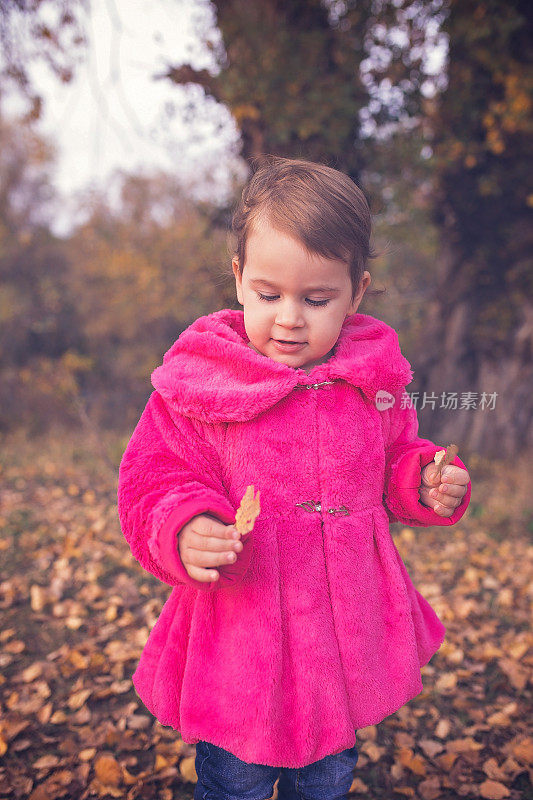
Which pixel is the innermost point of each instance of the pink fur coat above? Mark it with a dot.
(316, 630)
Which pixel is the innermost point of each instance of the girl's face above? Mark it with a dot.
(290, 295)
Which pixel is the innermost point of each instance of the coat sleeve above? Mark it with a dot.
(406, 454)
(168, 474)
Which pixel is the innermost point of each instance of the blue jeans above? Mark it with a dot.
(223, 776)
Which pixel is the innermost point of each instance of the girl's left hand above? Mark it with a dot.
(445, 495)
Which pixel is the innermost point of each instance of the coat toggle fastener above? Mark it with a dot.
(313, 385)
(310, 505)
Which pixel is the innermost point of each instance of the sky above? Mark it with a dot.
(116, 115)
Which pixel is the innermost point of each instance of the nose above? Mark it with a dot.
(289, 315)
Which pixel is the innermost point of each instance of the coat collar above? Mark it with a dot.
(210, 373)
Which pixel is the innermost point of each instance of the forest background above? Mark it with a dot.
(86, 316)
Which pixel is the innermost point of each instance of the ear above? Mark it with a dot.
(238, 279)
(366, 280)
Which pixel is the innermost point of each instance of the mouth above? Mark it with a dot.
(288, 345)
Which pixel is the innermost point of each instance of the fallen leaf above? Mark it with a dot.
(493, 790)
(523, 751)
(187, 769)
(372, 750)
(358, 787)
(447, 760)
(492, 770)
(58, 718)
(78, 699)
(465, 745)
(517, 674)
(443, 728)
(37, 598)
(46, 762)
(430, 789)
(32, 672)
(108, 770)
(408, 791)
(499, 718)
(408, 759)
(447, 682)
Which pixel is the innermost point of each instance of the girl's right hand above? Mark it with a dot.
(206, 542)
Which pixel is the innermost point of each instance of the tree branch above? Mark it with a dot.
(185, 74)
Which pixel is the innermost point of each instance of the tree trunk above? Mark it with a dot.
(478, 336)
(495, 379)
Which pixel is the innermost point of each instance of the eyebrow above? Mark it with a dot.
(260, 281)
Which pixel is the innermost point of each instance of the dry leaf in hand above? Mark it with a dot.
(445, 457)
(248, 511)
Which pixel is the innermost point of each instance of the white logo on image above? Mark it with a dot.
(384, 400)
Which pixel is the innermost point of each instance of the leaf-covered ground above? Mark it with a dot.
(76, 610)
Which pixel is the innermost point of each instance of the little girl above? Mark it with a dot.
(274, 647)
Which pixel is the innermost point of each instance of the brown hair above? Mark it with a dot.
(318, 205)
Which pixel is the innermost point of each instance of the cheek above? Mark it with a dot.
(322, 326)
(261, 312)
(258, 320)
(326, 331)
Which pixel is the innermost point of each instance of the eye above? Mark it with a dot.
(269, 298)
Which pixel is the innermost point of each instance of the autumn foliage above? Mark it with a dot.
(77, 609)
(85, 318)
